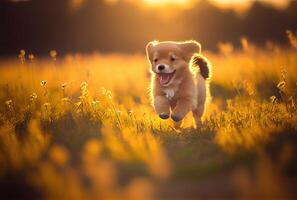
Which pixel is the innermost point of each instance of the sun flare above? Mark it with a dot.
(237, 5)
(167, 2)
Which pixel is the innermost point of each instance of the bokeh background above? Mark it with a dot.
(125, 26)
(76, 120)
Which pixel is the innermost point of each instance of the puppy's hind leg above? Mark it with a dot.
(203, 92)
(197, 114)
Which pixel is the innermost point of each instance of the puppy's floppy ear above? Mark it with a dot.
(149, 52)
(190, 48)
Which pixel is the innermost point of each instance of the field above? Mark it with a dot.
(82, 127)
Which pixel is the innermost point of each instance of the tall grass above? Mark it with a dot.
(82, 127)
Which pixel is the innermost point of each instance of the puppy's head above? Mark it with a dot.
(169, 59)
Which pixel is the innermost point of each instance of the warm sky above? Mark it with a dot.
(245, 4)
(238, 5)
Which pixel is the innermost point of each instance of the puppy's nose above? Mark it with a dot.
(161, 67)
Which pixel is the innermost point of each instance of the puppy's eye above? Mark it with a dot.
(172, 59)
(156, 60)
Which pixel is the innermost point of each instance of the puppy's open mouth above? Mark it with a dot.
(165, 78)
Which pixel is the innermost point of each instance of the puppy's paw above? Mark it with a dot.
(164, 116)
(176, 118)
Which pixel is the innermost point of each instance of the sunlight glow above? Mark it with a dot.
(168, 2)
(242, 5)
(237, 5)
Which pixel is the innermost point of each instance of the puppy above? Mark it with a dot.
(180, 77)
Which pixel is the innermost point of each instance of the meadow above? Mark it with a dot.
(82, 127)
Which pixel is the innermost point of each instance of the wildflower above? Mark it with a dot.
(84, 85)
(22, 52)
(31, 56)
(47, 106)
(95, 103)
(53, 54)
(283, 71)
(130, 112)
(84, 89)
(229, 102)
(65, 100)
(244, 44)
(43, 83)
(22, 56)
(281, 84)
(273, 99)
(106, 92)
(9, 103)
(33, 96)
(63, 86)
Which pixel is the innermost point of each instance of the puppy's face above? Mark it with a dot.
(169, 59)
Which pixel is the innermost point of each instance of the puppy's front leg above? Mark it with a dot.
(183, 106)
(162, 107)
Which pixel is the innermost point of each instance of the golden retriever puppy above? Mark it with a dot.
(179, 79)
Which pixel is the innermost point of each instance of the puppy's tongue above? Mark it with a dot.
(164, 78)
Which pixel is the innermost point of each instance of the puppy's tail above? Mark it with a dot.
(204, 65)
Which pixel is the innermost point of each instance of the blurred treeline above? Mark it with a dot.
(41, 25)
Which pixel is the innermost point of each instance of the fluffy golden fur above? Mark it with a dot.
(177, 87)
